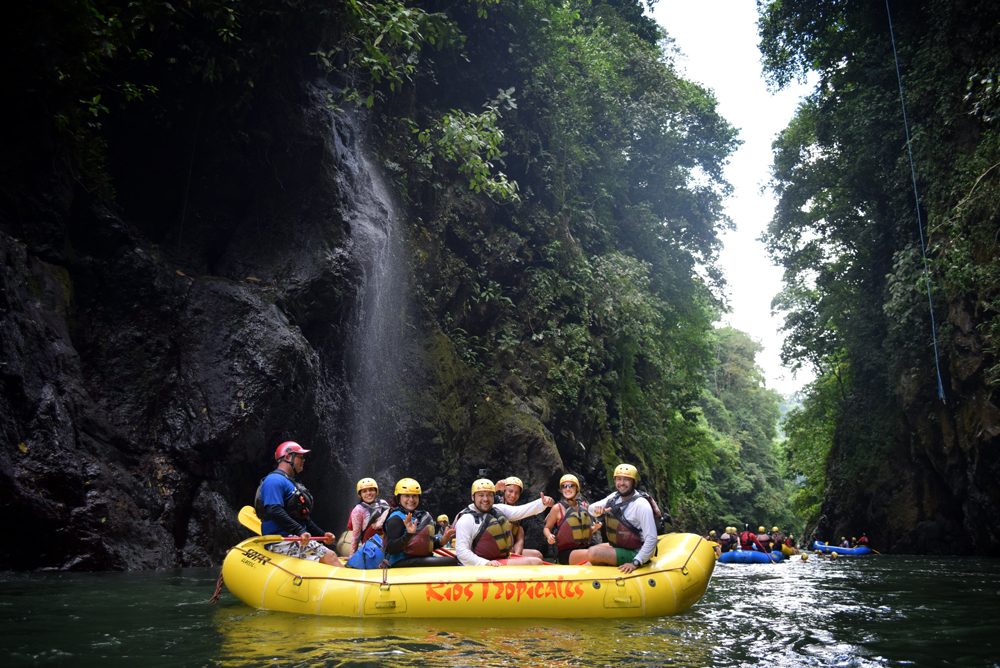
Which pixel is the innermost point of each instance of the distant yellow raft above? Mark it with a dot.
(674, 580)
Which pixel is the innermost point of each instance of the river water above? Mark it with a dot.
(865, 611)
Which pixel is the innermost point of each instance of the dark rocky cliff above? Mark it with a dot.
(155, 353)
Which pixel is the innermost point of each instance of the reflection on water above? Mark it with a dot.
(869, 611)
(267, 639)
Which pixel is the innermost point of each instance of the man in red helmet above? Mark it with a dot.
(284, 506)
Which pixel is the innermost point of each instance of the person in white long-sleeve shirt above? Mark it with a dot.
(483, 534)
(630, 523)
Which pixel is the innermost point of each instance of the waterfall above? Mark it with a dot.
(374, 359)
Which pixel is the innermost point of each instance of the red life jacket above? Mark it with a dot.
(494, 538)
(862, 542)
(746, 540)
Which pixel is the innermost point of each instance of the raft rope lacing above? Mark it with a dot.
(219, 583)
(920, 223)
(298, 579)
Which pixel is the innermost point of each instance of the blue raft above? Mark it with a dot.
(750, 557)
(855, 551)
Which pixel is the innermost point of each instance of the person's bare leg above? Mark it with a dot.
(577, 557)
(602, 555)
(533, 553)
(331, 559)
(525, 561)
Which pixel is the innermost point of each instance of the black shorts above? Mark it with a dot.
(415, 562)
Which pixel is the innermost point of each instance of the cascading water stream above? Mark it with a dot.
(375, 355)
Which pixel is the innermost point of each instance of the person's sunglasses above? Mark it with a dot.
(568, 485)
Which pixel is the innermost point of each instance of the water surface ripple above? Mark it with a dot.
(875, 611)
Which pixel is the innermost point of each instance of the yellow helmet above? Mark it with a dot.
(843, 538)
(407, 486)
(712, 532)
(731, 529)
(627, 471)
(569, 477)
(483, 485)
(791, 535)
(367, 483)
(514, 480)
(818, 551)
(443, 518)
(761, 529)
(805, 557)
(833, 556)
(774, 529)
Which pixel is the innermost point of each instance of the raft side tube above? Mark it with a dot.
(675, 579)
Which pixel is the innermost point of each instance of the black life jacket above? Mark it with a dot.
(726, 542)
(494, 538)
(298, 506)
(375, 511)
(574, 529)
(621, 532)
(422, 542)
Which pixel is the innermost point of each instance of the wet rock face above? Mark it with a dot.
(142, 392)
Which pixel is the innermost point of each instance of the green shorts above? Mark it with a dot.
(624, 556)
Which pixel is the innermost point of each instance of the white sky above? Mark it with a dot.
(718, 44)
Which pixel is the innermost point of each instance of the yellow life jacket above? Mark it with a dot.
(574, 529)
(621, 532)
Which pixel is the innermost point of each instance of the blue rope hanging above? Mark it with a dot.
(920, 223)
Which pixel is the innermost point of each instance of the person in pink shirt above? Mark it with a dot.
(366, 517)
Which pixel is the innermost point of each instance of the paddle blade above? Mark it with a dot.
(249, 519)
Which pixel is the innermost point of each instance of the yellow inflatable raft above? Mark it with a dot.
(674, 580)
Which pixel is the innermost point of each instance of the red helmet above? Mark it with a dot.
(288, 447)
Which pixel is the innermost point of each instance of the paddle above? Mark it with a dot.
(248, 518)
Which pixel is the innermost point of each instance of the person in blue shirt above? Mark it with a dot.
(285, 506)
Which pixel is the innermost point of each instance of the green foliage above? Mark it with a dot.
(745, 481)
(810, 429)
(382, 42)
(617, 162)
(472, 142)
(846, 227)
